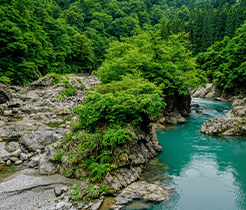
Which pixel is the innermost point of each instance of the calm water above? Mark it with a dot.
(208, 173)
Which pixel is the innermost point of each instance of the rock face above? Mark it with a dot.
(41, 138)
(178, 107)
(202, 91)
(212, 91)
(5, 94)
(231, 124)
(143, 147)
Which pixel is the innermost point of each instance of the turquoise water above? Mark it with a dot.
(208, 173)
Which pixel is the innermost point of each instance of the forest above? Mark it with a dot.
(172, 42)
(141, 51)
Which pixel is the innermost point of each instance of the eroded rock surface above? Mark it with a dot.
(231, 124)
(26, 190)
(178, 107)
(141, 190)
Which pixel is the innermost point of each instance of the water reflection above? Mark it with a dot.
(208, 172)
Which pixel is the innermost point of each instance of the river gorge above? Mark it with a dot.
(207, 172)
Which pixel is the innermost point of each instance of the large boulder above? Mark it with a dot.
(5, 94)
(41, 138)
(156, 192)
(202, 91)
(45, 81)
(231, 124)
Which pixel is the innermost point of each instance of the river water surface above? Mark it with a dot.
(208, 173)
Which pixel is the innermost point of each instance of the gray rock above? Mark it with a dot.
(8, 163)
(16, 153)
(155, 192)
(68, 205)
(44, 81)
(202, 91)
(34, 162)
(5, 94)
(57, 190)
(60, 205)
(97, 204)
(26, 191)
(45, 166)
(116, 207)
(15, 103)
(40, 138)
(7, 112)
(14, 159)
(12, 146)
(18, 162)
(231, 124)
(23, 156)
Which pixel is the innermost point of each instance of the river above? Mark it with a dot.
(208, 172)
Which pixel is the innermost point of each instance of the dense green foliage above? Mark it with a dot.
(166, 63)
(225, 61)
(38, 37)
(34, 41)
(102, 124)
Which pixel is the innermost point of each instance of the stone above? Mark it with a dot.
(156, 192)
(45, 81)
(23, 156)
(14, 159)
(4, 154)
(8, 163)
(231, 124)
(116, 207)
(34, 162)
(5, 94)
(60, 205)
(68, 206)
(12, 146)
(15, 103)
(41, 138)
(26, 190)
(7, 112)
(18, 162)
(195, 105)
(16, 153)
(45, 166)
(57, 190)
(97, 203)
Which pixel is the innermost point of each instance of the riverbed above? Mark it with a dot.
(207, 172)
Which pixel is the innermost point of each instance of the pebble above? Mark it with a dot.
(8, 163)
(18, 162)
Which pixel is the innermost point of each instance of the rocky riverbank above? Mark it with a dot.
(231, 124)
(33, 121)
(212, 91)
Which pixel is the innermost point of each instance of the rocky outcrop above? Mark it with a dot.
(201, 92)
(41, 138)
(33, 123)
(178, 107)
(143, 147)
(212, 91)
(231, 124)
